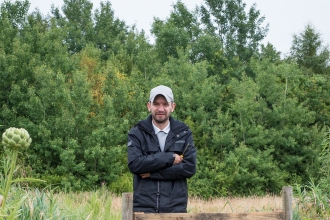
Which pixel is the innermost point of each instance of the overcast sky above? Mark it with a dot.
(285, 17)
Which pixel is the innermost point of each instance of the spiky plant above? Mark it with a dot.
(14, 140)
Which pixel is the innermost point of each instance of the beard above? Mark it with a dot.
(160, 119)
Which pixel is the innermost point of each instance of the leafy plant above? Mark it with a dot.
(325, 162)
(40, 205)
(15, 140)
(313, 200)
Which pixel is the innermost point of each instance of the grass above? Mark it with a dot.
(234, 205)
(99, 205)
(102, 204)
(195, 205)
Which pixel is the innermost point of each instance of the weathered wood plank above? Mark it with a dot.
(210, 216)
(127, 206)
(287, 198)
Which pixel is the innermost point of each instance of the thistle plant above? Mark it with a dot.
(14, 140)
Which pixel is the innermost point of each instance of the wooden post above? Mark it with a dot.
(287, 202)
(127, 206)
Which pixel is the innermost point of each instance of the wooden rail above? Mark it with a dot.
(286, 214)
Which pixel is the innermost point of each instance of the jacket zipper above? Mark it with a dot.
(158, 194)
(158, 182)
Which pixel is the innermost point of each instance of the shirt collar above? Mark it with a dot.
(165, 130)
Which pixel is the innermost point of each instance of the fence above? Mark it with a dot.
(286, 213)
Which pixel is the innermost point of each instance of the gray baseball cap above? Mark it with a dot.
(162, 90)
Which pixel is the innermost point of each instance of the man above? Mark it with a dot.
(161, 155)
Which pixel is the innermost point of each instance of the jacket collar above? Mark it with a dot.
(176, 126)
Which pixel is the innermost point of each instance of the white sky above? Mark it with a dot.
(285, 17)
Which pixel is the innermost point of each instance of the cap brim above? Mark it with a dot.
(168, 99)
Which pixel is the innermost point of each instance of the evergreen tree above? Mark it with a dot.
(308, 51)
(313, 58)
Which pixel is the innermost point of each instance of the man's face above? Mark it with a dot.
(161, 109)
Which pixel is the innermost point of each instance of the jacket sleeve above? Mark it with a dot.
(139, 162)
(185, 169)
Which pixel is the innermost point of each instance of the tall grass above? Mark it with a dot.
(313, 200)
(42, 205)
(102, 204)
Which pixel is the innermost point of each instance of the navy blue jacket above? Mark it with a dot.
(166, 190)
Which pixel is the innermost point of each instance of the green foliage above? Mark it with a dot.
(109, 31)
(243, 171)
(312, 201)
(123, 183)
(238, 28)
(257, 173)
(313, 58)
(78, 23)
(313, 198)
(324, 157)
(180, 30)
(269, 52)
(308, 51)
(290, 123)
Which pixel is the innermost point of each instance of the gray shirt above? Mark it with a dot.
(161, 134)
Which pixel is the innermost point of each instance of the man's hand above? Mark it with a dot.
(177, 159)
(145, 175)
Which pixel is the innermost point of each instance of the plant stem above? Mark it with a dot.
(10, 176)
